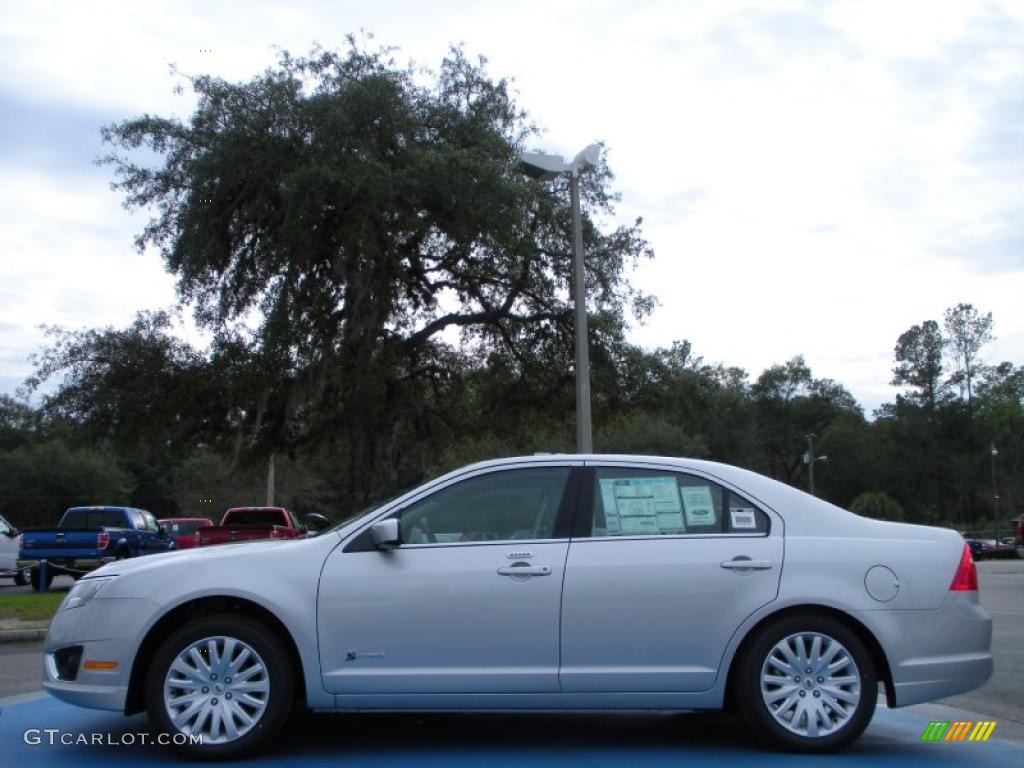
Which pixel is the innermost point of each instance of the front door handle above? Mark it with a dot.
(746, 564)
(524, 570)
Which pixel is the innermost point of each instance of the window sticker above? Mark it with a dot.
(743, 517)
(641, 505)
(699, 506)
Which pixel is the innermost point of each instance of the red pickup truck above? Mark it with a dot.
(250, 524)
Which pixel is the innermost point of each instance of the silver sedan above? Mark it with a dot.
(544, 582)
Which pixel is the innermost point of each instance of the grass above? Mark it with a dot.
(35, 606)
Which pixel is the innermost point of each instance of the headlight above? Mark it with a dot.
(84, 591)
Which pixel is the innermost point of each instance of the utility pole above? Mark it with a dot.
(540, 165)
(270, 481)
(584, 437)
(809, 460)
(995, 496)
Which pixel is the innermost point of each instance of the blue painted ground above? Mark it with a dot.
(494, 741)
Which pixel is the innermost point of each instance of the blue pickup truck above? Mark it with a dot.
(90, 533)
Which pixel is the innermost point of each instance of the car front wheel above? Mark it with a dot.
(23, 576)
(807, 684)
(221, 686)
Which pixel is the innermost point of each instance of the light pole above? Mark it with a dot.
(809, 460)
(270, 481)
(995, 496)
(539, 165)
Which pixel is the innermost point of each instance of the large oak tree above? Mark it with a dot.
(359, 210)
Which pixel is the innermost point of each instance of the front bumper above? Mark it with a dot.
(108, 630)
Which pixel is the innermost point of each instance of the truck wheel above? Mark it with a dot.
(22, 577)
(35, 577)
(224, 678)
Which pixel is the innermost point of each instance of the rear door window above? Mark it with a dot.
(641, 502)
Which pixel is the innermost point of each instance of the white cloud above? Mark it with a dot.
(816, 177)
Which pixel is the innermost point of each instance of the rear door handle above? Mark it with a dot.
(746, 564)
(524, 570)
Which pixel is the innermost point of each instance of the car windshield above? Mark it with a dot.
(367, 510)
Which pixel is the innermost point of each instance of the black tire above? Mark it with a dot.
(35, 579)
(838, 732)
(279, 672)
(23, 577)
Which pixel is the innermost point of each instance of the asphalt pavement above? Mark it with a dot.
(21, 667)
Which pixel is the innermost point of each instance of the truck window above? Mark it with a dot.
(111, 518)
(93, 518)
(255, 517)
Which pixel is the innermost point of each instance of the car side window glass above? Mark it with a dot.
(744, 516)
(639, 502)
(498, 506)
(140, 521)
(151, 523)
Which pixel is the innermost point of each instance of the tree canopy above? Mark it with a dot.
(359, 211)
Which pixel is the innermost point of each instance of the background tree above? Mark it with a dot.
(879, 505)
(967, 332)
(362, 213)
(789, 403)
(19, 423)
(919, 365)
(38, 482)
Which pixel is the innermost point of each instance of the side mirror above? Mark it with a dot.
(161, 531)
(315, 522)
(385, 533)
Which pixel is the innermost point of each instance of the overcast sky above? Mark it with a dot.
(814, 177)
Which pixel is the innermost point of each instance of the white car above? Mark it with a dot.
(538, 583)
(9, 554)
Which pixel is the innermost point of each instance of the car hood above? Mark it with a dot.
(241, 554)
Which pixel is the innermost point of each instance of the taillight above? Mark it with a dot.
(102, 540)
(966, 577)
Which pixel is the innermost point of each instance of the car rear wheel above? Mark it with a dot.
(224, 681)
(807, 684)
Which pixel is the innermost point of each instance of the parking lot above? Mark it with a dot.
(549, 740)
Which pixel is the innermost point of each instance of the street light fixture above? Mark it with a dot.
(809, 460)
(545, 167)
